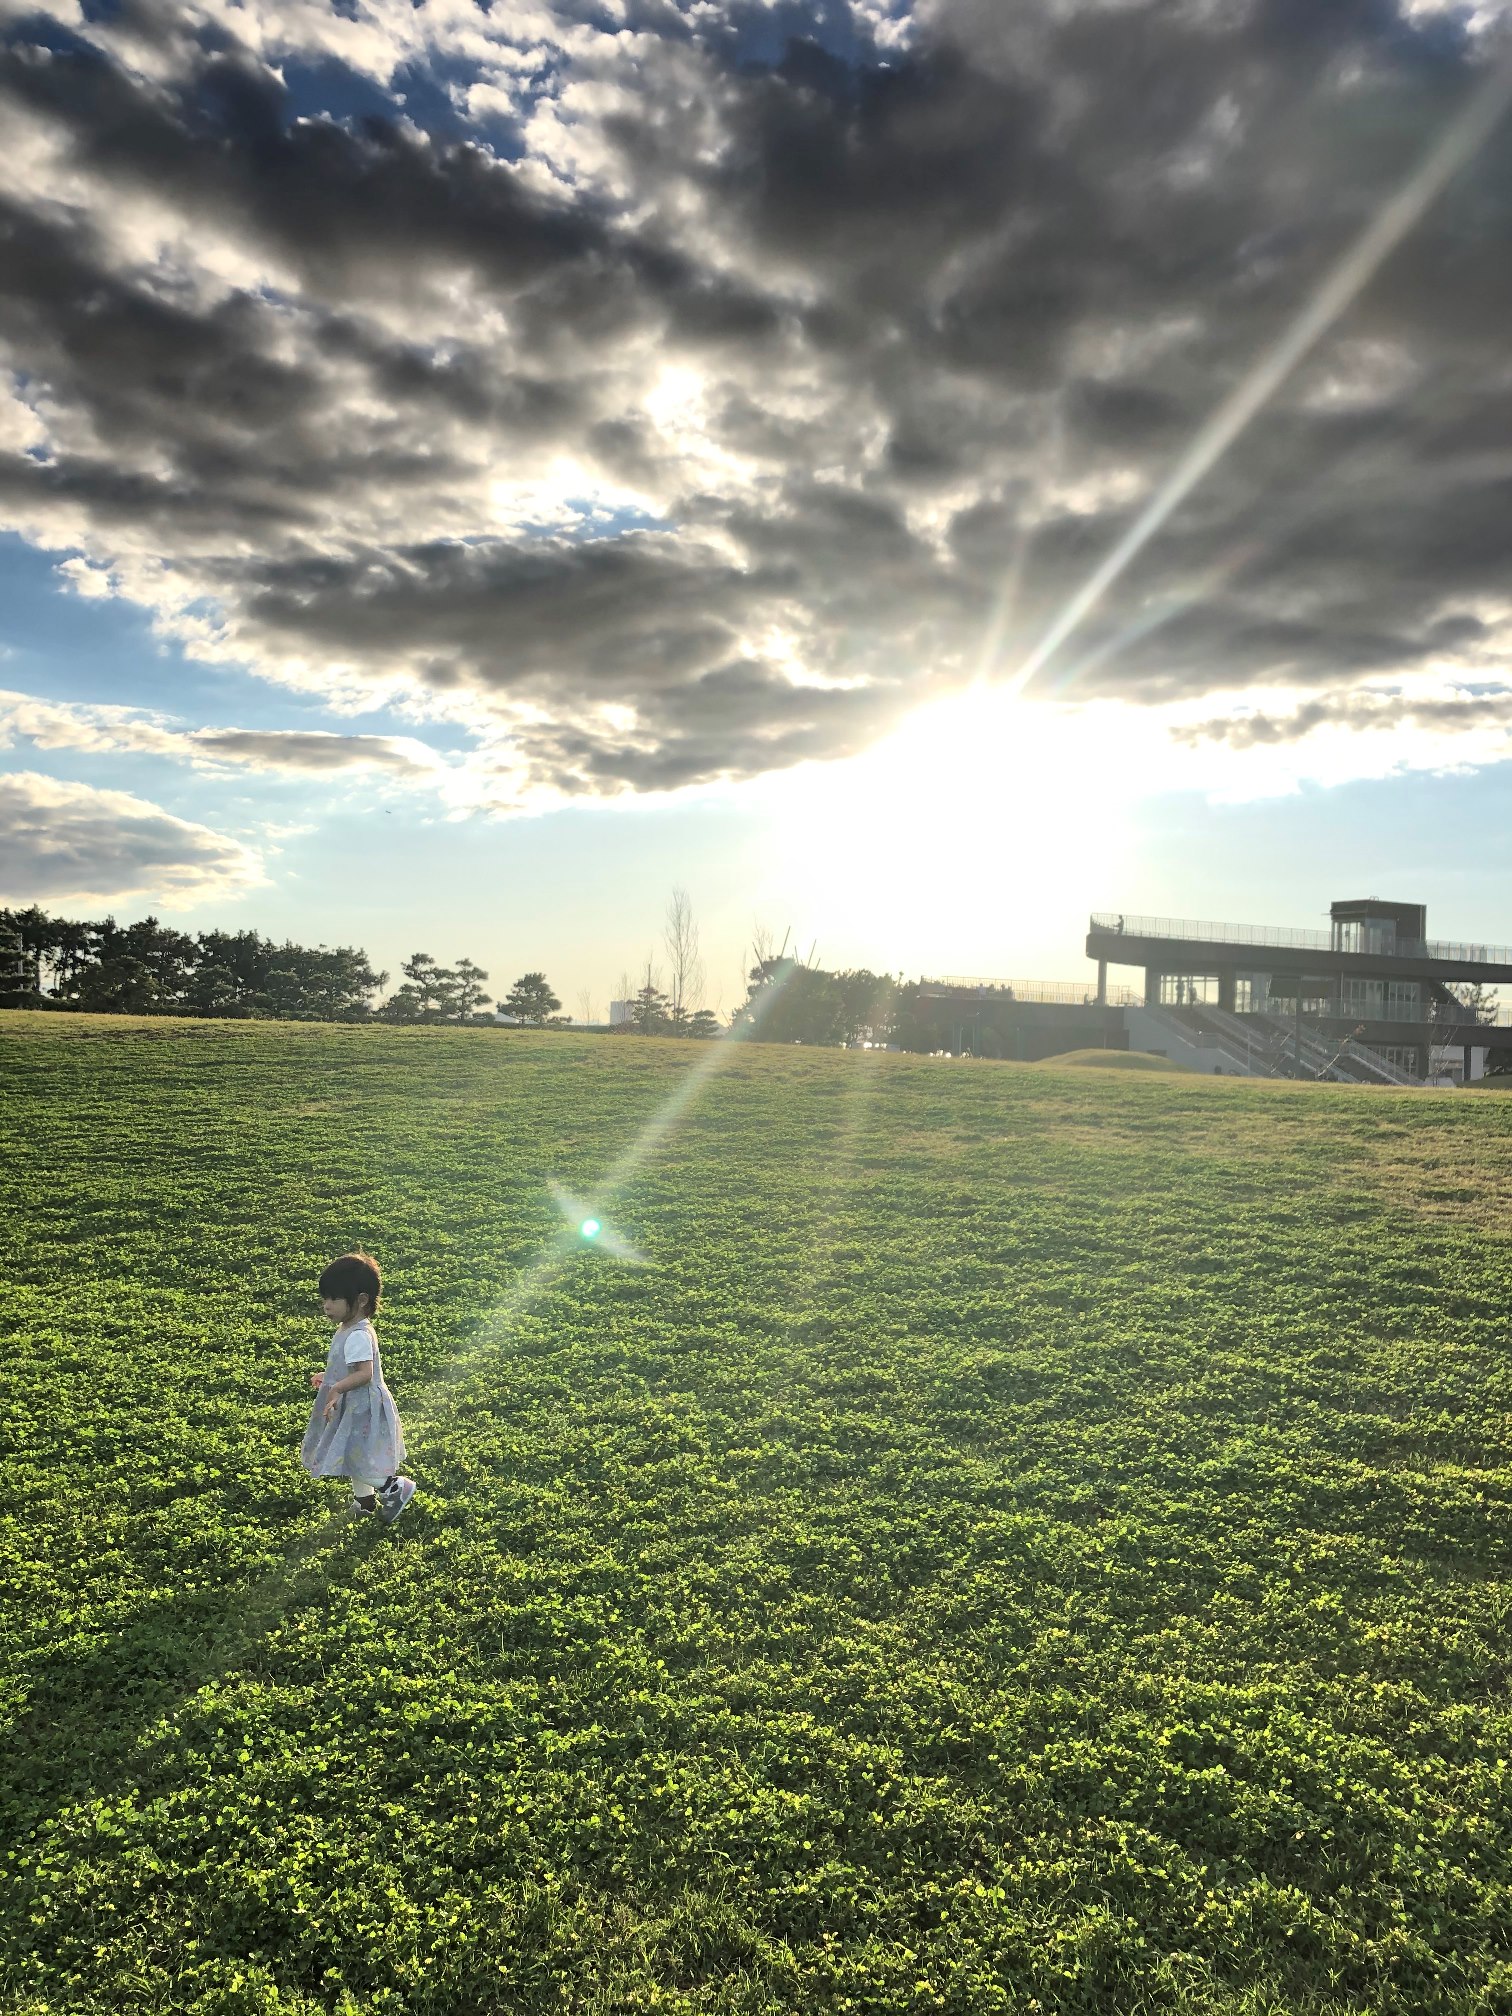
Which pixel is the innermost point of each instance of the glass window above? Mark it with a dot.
(1188, 990)
(1365, 934)
(1403, 1055)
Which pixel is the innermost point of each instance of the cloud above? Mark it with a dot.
(1446, 714)
(313, 751)
(50, 724)
(73, 843)
(663, 395)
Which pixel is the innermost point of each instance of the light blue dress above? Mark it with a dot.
(365, 1439)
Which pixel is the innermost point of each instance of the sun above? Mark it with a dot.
(980, 824)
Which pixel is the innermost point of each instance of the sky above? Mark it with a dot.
(909, 472)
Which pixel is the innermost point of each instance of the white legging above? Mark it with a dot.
(367, 1487)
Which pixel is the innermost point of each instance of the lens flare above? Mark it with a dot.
(260, 1606)
(578, 1215)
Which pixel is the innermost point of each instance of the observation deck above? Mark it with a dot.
(1375, 975)
(1363, 945)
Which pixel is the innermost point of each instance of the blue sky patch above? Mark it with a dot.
(58, 645)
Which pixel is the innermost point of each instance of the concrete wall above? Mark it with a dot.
(1156, 1036)
(1027, 1030)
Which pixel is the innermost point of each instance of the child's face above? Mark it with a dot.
(337, 1309)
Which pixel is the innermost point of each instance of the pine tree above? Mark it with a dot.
(530, 999)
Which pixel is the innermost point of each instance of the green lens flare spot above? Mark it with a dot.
(590, 1228)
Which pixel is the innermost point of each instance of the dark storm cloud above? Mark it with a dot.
(368, 209)
(461, 382)
(954, 303)
(347, 206)
(613, 619)
(148, 365)
(739, 720)
(255, 437)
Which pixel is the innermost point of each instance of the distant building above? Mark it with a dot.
(1373, 995)
(1372, 1000)
(619, 1013)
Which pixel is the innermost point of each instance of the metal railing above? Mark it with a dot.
(1423, 1025)
(1285, 937)
(1374, 1061)
(1321, 1047)
(1066, 993)
(1425, 1028)
(1492, 1018)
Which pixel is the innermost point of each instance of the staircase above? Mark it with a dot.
(1261, 1046)
(1380, 1067)
(1186, 1036)
(1348, 1063)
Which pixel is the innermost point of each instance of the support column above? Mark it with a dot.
(1422, 1060)
(1469, 1061)
(1153, 977)
(1102, 983)
(1228, 981)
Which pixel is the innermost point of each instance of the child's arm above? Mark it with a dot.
(361, 1375)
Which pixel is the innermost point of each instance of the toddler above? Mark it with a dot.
(354, 1429)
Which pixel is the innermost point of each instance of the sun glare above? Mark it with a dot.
(968, 828)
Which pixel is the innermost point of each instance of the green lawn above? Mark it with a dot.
(1033, 1541)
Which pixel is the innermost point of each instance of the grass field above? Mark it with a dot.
(1034, 1541)
(1112, 1060)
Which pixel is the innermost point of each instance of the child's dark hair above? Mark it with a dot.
(352, 1275)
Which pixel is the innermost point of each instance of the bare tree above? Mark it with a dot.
(757, 961)
(585, 1005)
(685, 966)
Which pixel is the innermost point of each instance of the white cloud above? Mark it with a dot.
(72, 843)
(21, 426)
(1271, 742)
(94, 584)
(52, 724)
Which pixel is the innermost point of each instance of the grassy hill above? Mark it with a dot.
(1110, 1060)
(1033, 1540)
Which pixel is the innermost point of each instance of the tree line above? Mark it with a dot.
(435, 993)
(149, 968)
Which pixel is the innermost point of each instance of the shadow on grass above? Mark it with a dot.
(88, 1712)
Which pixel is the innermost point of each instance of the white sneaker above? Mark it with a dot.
(393, 1498)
